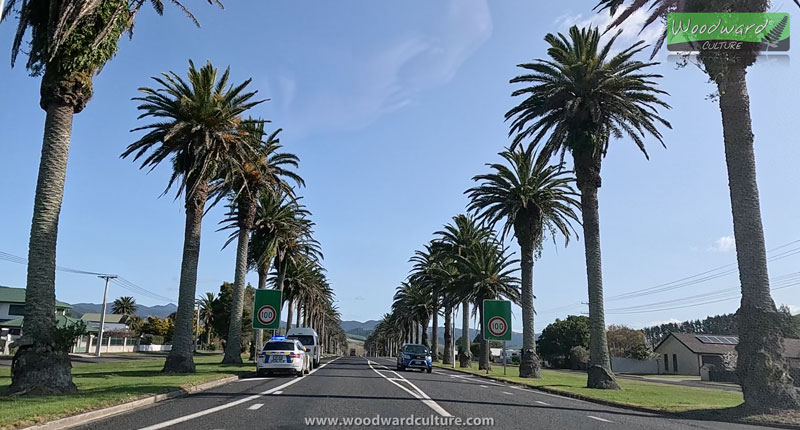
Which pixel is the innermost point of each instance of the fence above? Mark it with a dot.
(153, 348)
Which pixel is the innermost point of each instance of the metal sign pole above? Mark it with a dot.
(504, 358)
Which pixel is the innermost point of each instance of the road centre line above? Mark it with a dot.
(416, 393)
(542, 403)
(189, 417)
(506, 392)
(255, 406)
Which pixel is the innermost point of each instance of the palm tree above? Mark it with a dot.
(456, 238)
(124, 305)
(488, 273)
(580, 99)
(245, 183)
(207, 305)
(762, 369)
(532, 198)
(198, 124)
(70, 41)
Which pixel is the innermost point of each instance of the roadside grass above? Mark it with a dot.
(642, 394)
(102, 385)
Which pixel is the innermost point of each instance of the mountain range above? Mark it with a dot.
(161, 311)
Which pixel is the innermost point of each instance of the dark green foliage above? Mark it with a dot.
(222, 311)
(64, 336)
(718, 324)
(560, 337)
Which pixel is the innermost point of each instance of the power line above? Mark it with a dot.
(119, 281)
(687, 281)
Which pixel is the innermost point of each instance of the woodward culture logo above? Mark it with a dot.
(728, 31)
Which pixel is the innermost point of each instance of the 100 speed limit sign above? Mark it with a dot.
(498, 326)
(266, 314)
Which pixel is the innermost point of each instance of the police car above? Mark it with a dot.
(282, 355)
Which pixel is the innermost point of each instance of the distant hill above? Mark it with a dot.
(161, 311)
(349, 326)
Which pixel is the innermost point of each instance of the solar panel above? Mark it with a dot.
(718, 340)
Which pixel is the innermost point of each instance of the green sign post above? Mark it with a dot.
(497, 323)
(267, 310)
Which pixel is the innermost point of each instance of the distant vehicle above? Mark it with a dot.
(283, 355)
(414, 356)
(309, 338)
(353, 352)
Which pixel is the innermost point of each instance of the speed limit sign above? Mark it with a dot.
(497, 320)
(266, 314)
(267, 309)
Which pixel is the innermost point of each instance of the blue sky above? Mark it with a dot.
(392, 108)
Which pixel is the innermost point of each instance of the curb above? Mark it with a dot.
(86, 417)
(581, 397)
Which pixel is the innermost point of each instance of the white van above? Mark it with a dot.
(309, 338)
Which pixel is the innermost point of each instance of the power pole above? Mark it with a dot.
(103, 314)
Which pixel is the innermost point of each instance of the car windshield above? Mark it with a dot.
(279, 346)
(304, 339)
(415, 349)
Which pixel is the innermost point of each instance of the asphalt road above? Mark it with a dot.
(349, 388)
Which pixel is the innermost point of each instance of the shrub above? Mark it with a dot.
(579, 358)
(152, 339)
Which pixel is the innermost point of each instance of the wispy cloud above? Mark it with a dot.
(366, 87)
(724, 244)
(632, 31)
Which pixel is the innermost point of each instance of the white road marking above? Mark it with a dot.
(506, 392)
(484, 386)
(278, 392)
(252, 379)
(189, 417)
(599, 419)
(542, 403)
(416, 392)
(255, 406)
(475, 380)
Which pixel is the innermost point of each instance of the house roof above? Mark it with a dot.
(110, 318)
(17, 295)
(791, 347)
(61, 320)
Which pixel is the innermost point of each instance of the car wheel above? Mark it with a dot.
(307, 370)
(316, 363)
(300, 373)
(430, 370)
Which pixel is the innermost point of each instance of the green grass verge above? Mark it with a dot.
(642, 394)
(107, 384)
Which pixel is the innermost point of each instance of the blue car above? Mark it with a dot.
(414, 356)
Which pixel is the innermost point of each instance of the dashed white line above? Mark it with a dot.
(416, 392)
(506, 392)
(599, 419)
(255, 406)
(484, 386)
(278, 392)
(542, 403)
(189, 417)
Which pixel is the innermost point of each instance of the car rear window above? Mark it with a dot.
(304, 339)
(279, 346)
(415, 349)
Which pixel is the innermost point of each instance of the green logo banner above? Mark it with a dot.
(267, 309)
(728, 31)
(497, 320)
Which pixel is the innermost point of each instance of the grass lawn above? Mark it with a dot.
(650, 395)
(106, 384)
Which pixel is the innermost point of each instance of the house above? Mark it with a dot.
(113, 322)
(12, 304)
(686, 353)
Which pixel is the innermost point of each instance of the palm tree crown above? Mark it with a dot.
(125, 305)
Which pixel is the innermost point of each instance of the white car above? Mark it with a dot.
(309, 338)
(281, 355)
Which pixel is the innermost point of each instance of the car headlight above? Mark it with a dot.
(427, 357)
(406, 356)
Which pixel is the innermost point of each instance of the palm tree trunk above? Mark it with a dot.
(289, 314)
(208, 332)
(465, 357)
(435, 335)
(762, 369)
(447, 357)
(529, 363)
(483, 360)
(424, 330)
(247, 214)
(37, 367)
(180, 358)
(587, 171)
(297, 322)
